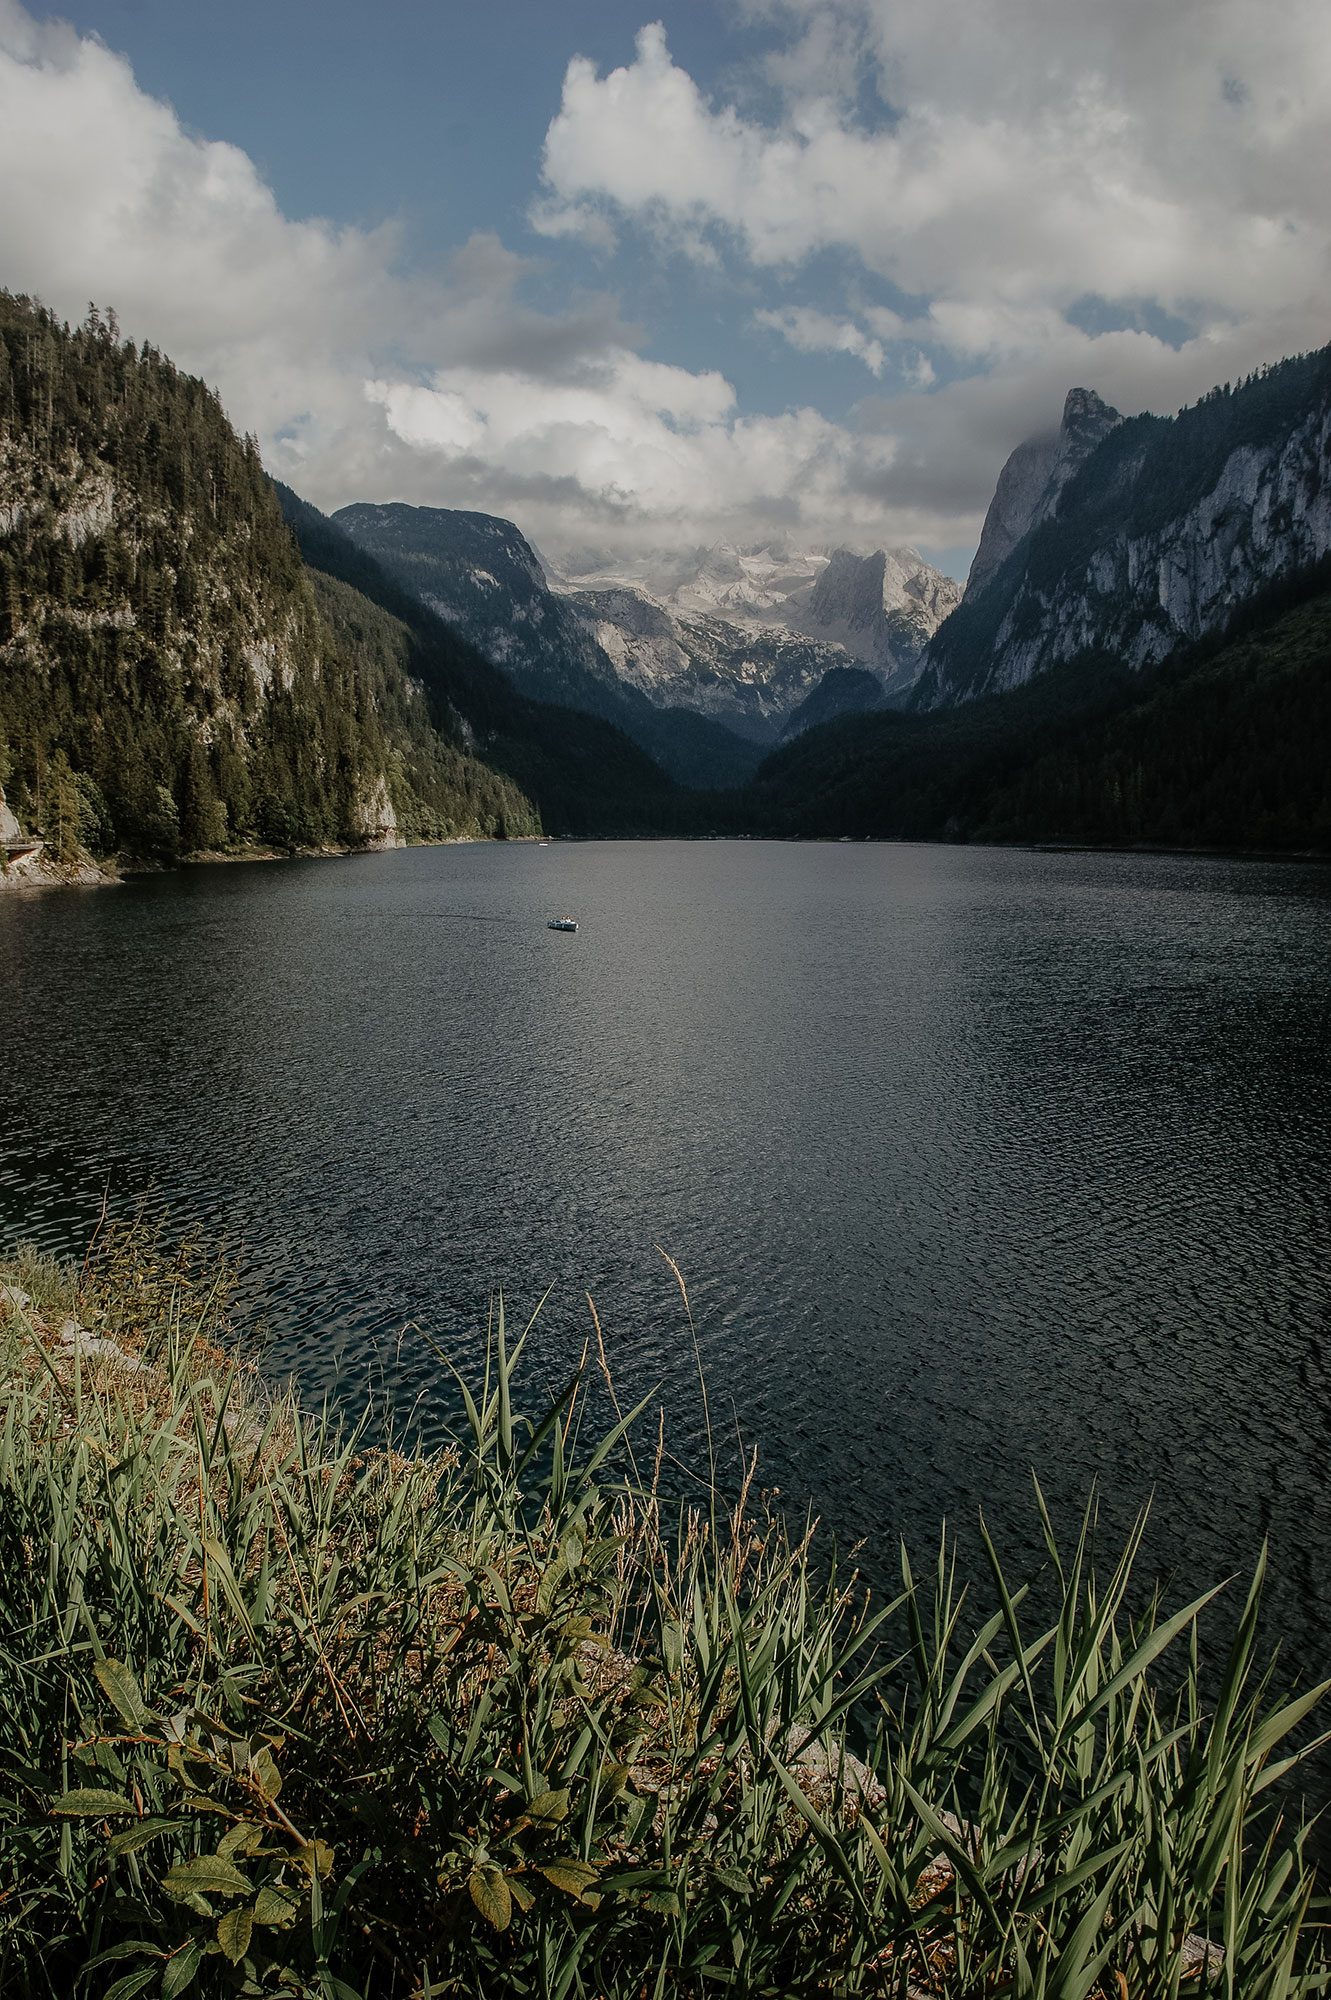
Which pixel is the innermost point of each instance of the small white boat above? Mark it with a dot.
(562, 924)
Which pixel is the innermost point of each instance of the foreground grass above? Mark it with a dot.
(288, 1713)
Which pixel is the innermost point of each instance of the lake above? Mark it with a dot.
(973, 1160)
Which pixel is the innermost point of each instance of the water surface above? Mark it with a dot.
(974, 1160)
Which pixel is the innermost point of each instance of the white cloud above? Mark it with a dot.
(1039, 150)
(1132, 166)
(555, 419)
(814, 332)
(1038, 154)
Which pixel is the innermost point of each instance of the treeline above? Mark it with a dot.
(1226, 745)
(167, 684)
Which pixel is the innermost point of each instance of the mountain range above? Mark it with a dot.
(726, 645)
(193, 659)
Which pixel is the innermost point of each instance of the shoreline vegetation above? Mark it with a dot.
(296, 1709)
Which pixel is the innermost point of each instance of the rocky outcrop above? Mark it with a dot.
(1033, 478)
(374, 820)
(1161, 534)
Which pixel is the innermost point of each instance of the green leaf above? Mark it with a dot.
(266, 1775)
(548, 1806)
(129, 1948)
(133, 1982)
(663, 1901)
(316, 1854)
(234, 1931)
(489, 1892)
(570, 1874)
(731, 1878)
(138, 1836)
(92, 1804)
(206, 1875)
(274, 1907)
(122, 1690)
(243, 1838)
(520, 1893)
(672, 1646)
(180, 1970)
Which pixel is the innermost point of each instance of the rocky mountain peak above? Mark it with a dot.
(1033, 478)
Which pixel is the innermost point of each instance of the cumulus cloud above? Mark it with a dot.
(814, 332)
(1045, 191)
(1036, 150)
(556, 418)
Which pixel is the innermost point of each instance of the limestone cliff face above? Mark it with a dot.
(1161, 533)
(1033, 478)
(883, 609)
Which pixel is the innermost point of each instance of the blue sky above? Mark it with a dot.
(760, 269)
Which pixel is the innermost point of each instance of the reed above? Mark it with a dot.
(288, 1711)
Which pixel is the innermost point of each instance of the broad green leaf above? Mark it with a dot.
(548, 1805)
(206, 1875)
(316, 1854)
(520, 1893)
(123, 1691)
(731, 1878)
(489, 1892)
(180, 1970)
(663, 1901)
(91, 1804)
(274, 1907)
(138, 1836)
(243, 1838)
(266, 1775)
(133, 1982)
(234, 1931)
(614, 1777)
(570, 1873)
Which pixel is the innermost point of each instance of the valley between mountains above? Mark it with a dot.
(195, 661)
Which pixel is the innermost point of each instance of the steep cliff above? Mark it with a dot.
(1030, 483)
(883, 609)
(1160, 536)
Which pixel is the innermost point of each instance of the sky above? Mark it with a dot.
(798, 272)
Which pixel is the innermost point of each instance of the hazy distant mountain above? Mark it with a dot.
(749, 677)
(746, 635)
(1156, 534)
(883, 609)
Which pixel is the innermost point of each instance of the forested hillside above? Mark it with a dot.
(1224, 745)
(1161, 536)
(583, 773)
(167, 684)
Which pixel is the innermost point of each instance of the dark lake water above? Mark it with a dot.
(973, 1160)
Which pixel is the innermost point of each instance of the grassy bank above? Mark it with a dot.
(287, 1712)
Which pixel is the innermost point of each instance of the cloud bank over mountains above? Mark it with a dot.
(1011, 199)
